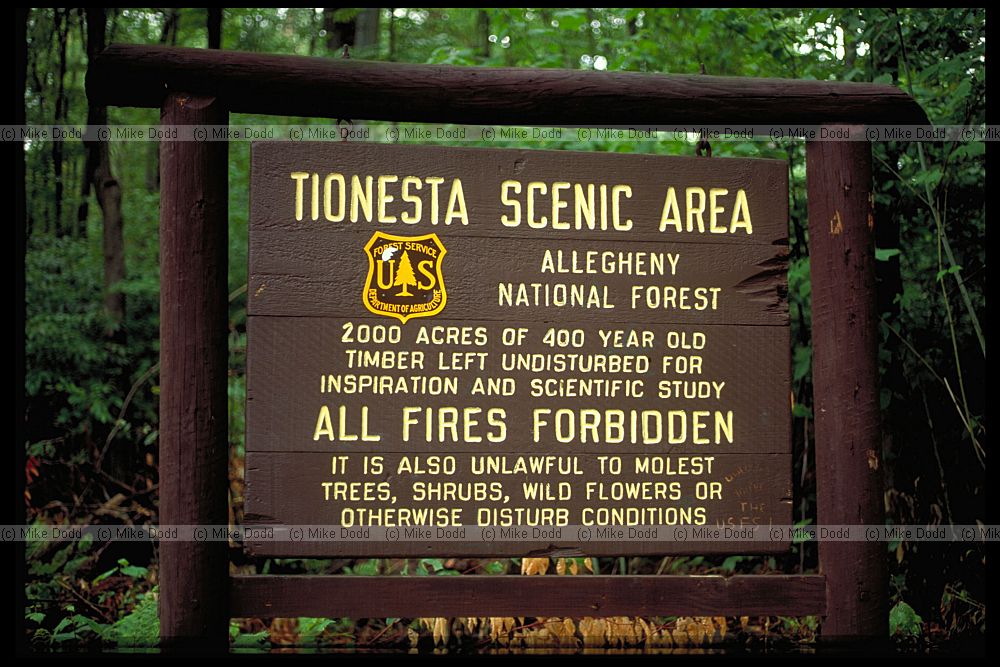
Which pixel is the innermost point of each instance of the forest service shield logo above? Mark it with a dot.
(404, 276)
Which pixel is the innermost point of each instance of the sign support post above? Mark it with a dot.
(194, 358)
(845, 383)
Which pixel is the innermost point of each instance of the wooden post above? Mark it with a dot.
(845, 384)
(194, 605)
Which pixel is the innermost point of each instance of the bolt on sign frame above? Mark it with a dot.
(193, 86)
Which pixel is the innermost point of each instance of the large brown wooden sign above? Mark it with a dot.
(449, 337)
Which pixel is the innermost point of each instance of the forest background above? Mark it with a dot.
(91, 327)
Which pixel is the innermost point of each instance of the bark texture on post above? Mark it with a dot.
(845, 381)
(194, 604)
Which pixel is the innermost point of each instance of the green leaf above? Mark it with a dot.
(904, 621)
(89, 623)
(570, 19)
(141, 628)
(801, 536)
(884, 254)
(729, 565)
(801, 362)
(135, 571)
(367, 568)
(252, 640)
(432, 564)
(311, 628)
(928, 178)
(947, 272)
(971, 149)
(493, 567)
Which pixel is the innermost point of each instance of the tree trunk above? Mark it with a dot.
(83, 210)
(109, 195)
(483, 28)
(169, 31)
(314, 27)
(167, 34)
(215, 27)
(114, 25)
(59, 117)
(591, 40)
(366, 34)
(338, 33)
(152, 176)
(392, 35)
(360, 32)
(94, 17)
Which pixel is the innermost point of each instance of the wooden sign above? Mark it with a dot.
(452, 337)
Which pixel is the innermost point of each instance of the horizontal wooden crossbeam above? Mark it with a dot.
(140, 76)
(273, 596)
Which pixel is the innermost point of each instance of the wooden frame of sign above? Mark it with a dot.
(197, 594)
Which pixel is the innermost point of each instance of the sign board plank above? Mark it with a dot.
(300, 364)
(647, 181)
(491, 278)
(429, 325)
(312, 487)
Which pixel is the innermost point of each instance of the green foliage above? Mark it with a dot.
(311, 629)
(124, 569)
(364, 568)
(903, 621)
(247, 640)
(66, 352)
(140, 627)
(800, 533)
(729, 565)
(498, 567)
(71, 629)
(796, 628)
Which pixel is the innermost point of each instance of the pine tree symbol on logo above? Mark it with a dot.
(393, 288)
(404, 274)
